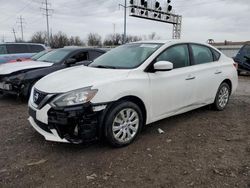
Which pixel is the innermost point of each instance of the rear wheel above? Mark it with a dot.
(123, 123)
(222, 97)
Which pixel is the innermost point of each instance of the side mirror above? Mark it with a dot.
(163, 66)
(70, 61)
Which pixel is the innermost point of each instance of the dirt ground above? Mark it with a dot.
(202, 148)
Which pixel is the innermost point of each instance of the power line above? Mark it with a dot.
(198, 4)
(20, 10)
(47, 14)
(21, 22)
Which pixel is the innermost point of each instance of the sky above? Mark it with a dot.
(202, 19)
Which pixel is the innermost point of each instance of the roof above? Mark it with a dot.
(171, 41)
(74, 48)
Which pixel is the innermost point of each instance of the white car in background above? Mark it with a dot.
(128, 87)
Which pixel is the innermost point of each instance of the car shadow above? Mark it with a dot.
(148, 131)
(12, 99)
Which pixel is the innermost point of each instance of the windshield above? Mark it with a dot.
(126, 56)
(55, 56)
(38, 55)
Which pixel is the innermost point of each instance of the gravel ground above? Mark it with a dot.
(202, 148)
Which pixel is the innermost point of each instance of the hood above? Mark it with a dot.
(8, 68)
(78, 77)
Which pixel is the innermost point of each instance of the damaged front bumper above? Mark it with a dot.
(13, 88)
(14, 85)
(69, 125)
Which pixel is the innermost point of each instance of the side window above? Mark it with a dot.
(36, 48)
(202, 54)
(3, 49)
(94, 54)
(80, 56)
(178, 55)
(17, 48)
(216, 55)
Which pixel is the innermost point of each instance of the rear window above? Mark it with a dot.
(17, 48)
(3, 49)
(36, 48)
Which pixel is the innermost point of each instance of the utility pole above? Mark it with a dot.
(21, 22)
(125, 20)
(47, 11)
(14, 32)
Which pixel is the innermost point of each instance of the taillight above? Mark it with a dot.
(236, 66)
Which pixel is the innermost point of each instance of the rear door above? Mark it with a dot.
(172, 91)
(208, 72)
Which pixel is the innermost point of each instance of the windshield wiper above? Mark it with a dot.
(105, 67)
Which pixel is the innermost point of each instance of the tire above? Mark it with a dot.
(121, 130)
(239, 72)
(222, 97)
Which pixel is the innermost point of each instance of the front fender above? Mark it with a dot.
(136, 85)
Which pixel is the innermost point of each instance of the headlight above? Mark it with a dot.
(76, 97)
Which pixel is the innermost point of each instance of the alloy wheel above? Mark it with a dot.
(125, 125)
(223, 96)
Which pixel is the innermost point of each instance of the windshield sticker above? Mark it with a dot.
(149, 46)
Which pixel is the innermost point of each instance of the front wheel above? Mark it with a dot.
(123, 123)
(222, 97)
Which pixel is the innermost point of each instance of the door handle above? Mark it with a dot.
(190, 78)
(218, 72)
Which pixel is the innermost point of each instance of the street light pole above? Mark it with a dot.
(125, 22)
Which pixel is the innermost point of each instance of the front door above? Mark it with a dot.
(172, 91)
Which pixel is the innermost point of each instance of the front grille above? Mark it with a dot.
(43, 126)
(38, 96)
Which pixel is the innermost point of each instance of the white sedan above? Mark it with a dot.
(129, 87)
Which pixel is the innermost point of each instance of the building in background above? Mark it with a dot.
(229, 48)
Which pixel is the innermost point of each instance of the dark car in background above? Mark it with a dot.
(18, 51)
(243, 59)
(18, 78)
(32, 58)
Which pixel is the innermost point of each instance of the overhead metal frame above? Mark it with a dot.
(150, 12)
